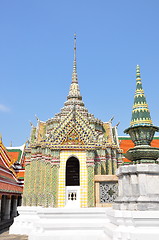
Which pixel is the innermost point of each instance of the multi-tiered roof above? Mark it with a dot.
(74, 98)
(73, 125)
(9, 183)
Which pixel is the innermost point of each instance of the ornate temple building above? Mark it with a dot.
(11, 182)
(71, 158)
(71, 161)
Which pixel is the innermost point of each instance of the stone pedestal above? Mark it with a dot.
(138, 187)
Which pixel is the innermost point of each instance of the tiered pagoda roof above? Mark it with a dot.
(73, 123)
(18, 156)
(74, 99)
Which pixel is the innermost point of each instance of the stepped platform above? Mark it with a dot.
(85, 224)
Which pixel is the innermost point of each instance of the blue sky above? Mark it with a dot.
(36, 57)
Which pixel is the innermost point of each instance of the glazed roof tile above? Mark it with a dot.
(16, 153)
(8, 178)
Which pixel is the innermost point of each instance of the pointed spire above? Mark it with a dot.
(74, 74)
(74, 99)
(140, 113)
(74, 91)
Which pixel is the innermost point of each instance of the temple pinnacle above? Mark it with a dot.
(74, 74)
(140, 113)
(75, 47)
(74, 91)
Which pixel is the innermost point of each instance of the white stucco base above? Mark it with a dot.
(61, 223)
(86, 224)
(24, 223)
(132, 225)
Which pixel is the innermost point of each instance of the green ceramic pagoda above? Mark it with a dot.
(141, 129)
(140, 113)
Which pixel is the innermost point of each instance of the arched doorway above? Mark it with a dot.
(72, 172)
(72, 182)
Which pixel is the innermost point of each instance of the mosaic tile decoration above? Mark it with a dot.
(81, 156)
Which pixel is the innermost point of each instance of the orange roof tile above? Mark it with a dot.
(126, 143)
(5, 187)
(8, 180)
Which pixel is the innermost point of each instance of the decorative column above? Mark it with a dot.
(40, 197)
(55, 175)
(39, 177)
(109, 161)
(19, 201)
(35, 184)
(27, 186)
(114, 161)
(97, 163)
(103, 161)
(29, 198)
(42, 172)
(119, 157)
(0, 206)
(48, 189)
(14, 206)
(3, 202)
(7, 208)
(90, 168)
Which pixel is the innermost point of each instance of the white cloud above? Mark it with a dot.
(4, 108)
